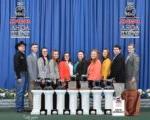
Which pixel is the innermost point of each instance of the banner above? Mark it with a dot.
(130, 24)
(19, 24)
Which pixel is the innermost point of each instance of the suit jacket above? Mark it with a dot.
(132, 67)
(118, 69)
(54, 71)
(20, 64)
(32, 67)
(81, 68)
(43, 68)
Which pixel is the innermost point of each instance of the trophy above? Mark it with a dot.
(72, 84)
(84, 82)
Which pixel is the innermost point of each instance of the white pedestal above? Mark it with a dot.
(36, 102)
(73, 101)
(97, 100)
(60, 100)
(48, 100)
(85, 101)
(108, 99)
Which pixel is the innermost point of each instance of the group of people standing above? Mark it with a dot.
(124, 72)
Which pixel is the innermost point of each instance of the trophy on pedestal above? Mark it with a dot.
(43, 84)
(84, 82)
(73, 83)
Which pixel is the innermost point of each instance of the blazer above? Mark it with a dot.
(54, 71)
(65, 71)
(106, 65)
(132, 67)
(94, 71)
(32, 67)
(43, 68)
(118, 69)
(82, 68)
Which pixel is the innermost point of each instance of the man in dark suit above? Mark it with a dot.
(118, 70)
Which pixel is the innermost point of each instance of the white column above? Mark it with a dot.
(108, 99)
(48, 100)
(97, 101)
(85, 101)
(73, 101)
(60, 100)
(36, 102)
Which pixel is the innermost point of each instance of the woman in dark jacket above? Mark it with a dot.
(80, 68)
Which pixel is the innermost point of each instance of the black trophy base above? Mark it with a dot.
(66, 112)
(54, 112)
(43, 112)
(79, 111)
(107, 111)
(92, 111)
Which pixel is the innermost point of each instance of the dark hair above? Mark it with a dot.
(63, 58)
(41, 52)
(83, 54)
(33, 44)
(117, 46)
(19, 44)
(81, 51)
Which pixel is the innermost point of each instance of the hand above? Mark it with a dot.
(132, 80)
(84, 75)
(43, 81)
(19, 80)
(114, 81)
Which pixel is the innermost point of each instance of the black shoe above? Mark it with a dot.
(27, 110)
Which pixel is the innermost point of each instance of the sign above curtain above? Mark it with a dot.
(19, 24)
(130, 24)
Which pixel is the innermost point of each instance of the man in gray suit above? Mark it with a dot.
(32, 71)
(132, 68)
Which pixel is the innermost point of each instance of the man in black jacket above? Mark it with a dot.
(118, 70)
(20, 67)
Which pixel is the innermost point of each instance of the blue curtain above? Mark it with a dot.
(71, 25)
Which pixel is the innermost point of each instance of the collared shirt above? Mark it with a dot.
(34, 54)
